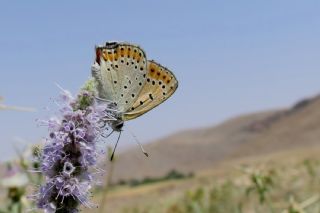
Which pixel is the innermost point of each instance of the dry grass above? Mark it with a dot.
(291, 175)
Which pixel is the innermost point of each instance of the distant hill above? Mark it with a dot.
(249, 135)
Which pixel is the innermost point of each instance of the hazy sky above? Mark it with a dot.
(230, 57)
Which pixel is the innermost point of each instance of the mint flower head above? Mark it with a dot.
(70, 152)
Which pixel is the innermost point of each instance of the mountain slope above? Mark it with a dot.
(298, 127)
(253, 134)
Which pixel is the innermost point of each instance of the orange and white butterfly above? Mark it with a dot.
(133, 84)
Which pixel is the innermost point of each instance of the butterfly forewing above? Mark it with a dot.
(160, 84)
(105, 76)
(120, 70)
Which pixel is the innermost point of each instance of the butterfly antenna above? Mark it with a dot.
(115, 147)
(138, 142)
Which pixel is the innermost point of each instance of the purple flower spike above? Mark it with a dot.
(70, 151)
(69, 126)
(50, 208)
(79, 133)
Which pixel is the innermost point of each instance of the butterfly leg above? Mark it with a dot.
(106, 136)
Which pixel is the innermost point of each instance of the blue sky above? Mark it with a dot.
(230, 57)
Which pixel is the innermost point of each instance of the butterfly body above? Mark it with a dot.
(132, 84)
(117, 125)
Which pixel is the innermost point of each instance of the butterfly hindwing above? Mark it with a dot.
(159, 85)
(120, 70)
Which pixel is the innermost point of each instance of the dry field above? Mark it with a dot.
(294, 174)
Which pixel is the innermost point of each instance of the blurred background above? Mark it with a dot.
(240, 134)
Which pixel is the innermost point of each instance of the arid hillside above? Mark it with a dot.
(248, 135)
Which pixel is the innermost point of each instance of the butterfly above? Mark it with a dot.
(131, 83)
